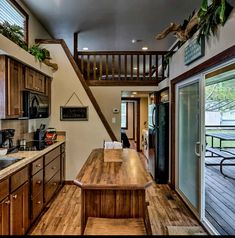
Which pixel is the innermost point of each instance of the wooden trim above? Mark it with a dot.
(212, 62)
(17, 5)
(75, 46)
(69, 182)
(82, 80)
(220, 71)
(121, 52)
(121, 83)
(138, 119)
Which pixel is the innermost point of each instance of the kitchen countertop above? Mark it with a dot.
(30, 156)
(130, 173)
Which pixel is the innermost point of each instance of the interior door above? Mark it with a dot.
(188, 143)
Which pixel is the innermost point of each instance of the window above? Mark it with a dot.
(13, 13)
(124, 108)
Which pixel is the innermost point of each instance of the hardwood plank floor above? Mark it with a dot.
(63, 217)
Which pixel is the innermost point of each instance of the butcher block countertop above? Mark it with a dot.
(27, 157)
(128, 174)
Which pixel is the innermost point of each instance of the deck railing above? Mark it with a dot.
(148, 66)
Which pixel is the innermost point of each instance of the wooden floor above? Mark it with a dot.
(220, 199)
(63, 216)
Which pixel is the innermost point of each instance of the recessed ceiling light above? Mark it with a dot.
(134, 93)
(85, 48)
(145, 48)
(135, 68)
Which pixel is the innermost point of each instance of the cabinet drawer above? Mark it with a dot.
(51, 169)
(37, 165)
(37, 183)
(37, 205)
(19, 178)
(52, 155)
(4, 188)
(51, 187)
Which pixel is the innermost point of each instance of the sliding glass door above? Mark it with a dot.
(188, 143)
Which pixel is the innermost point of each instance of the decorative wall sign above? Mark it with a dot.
(194, 51)
(73, 113)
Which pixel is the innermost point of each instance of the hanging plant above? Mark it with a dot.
(14, 33)
(210, 16)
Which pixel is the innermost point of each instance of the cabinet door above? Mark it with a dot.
(19, 220)
(39, 82)
(14, 87)
(5, 217)
(29, 78)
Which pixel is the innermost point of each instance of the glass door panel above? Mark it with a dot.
(188, 146)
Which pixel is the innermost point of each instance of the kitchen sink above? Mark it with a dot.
(7, 161)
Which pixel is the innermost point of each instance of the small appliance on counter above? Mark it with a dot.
(6, 140)
(50, 136)
(40, 133)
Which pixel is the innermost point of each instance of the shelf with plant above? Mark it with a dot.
(16, 35)
(205, 22)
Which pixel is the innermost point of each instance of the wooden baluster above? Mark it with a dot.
(150, 67)
(113, 66)
(144, 66)
(162, 66)
(94, 67)
(156, 61)
(88, 67)
(119, 67)
(106, 66)
(131, 67)
(101, 67)
(138, 66)
(125, 67)
(82, 64)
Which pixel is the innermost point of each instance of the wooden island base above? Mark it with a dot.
(114, 190)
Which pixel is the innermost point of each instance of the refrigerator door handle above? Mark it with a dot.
(153, 117)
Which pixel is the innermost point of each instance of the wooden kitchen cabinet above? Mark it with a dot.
(34, 80)
(19, 220)
(11, 78)
(4, 207)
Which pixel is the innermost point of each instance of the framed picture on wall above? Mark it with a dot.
(73, 113)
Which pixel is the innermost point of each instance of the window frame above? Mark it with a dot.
(126, 127)
(25, 14)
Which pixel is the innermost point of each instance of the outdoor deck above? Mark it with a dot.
(220, 198)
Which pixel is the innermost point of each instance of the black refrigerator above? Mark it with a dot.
(158, 160)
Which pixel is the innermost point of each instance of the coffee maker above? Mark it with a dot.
(6, 140)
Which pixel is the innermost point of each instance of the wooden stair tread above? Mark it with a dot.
(114, 226)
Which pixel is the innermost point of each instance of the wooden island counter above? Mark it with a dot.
(113, 189)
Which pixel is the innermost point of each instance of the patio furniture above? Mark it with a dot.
(226, 154)
(221, 136)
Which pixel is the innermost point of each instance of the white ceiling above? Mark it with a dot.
(112, 24)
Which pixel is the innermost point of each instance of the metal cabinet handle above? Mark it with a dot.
(38, 165)
(14, 196)
(7, 202)
(39, 182)
(53, 167)
(54, 184)
(39, 202)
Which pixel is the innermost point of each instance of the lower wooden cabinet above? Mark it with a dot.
(5, 217)
(37, 205)
(19, 220)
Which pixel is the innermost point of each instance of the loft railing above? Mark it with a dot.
(123, 66)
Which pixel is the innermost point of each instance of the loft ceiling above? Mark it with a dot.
(112, 24)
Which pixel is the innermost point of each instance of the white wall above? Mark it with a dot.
(110, 97)
(81, 136)
(36, 30)
(224, 39)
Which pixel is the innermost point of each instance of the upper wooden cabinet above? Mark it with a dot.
(34, 80)
(11, 79)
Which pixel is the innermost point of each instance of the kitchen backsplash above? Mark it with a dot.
(21, 129)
